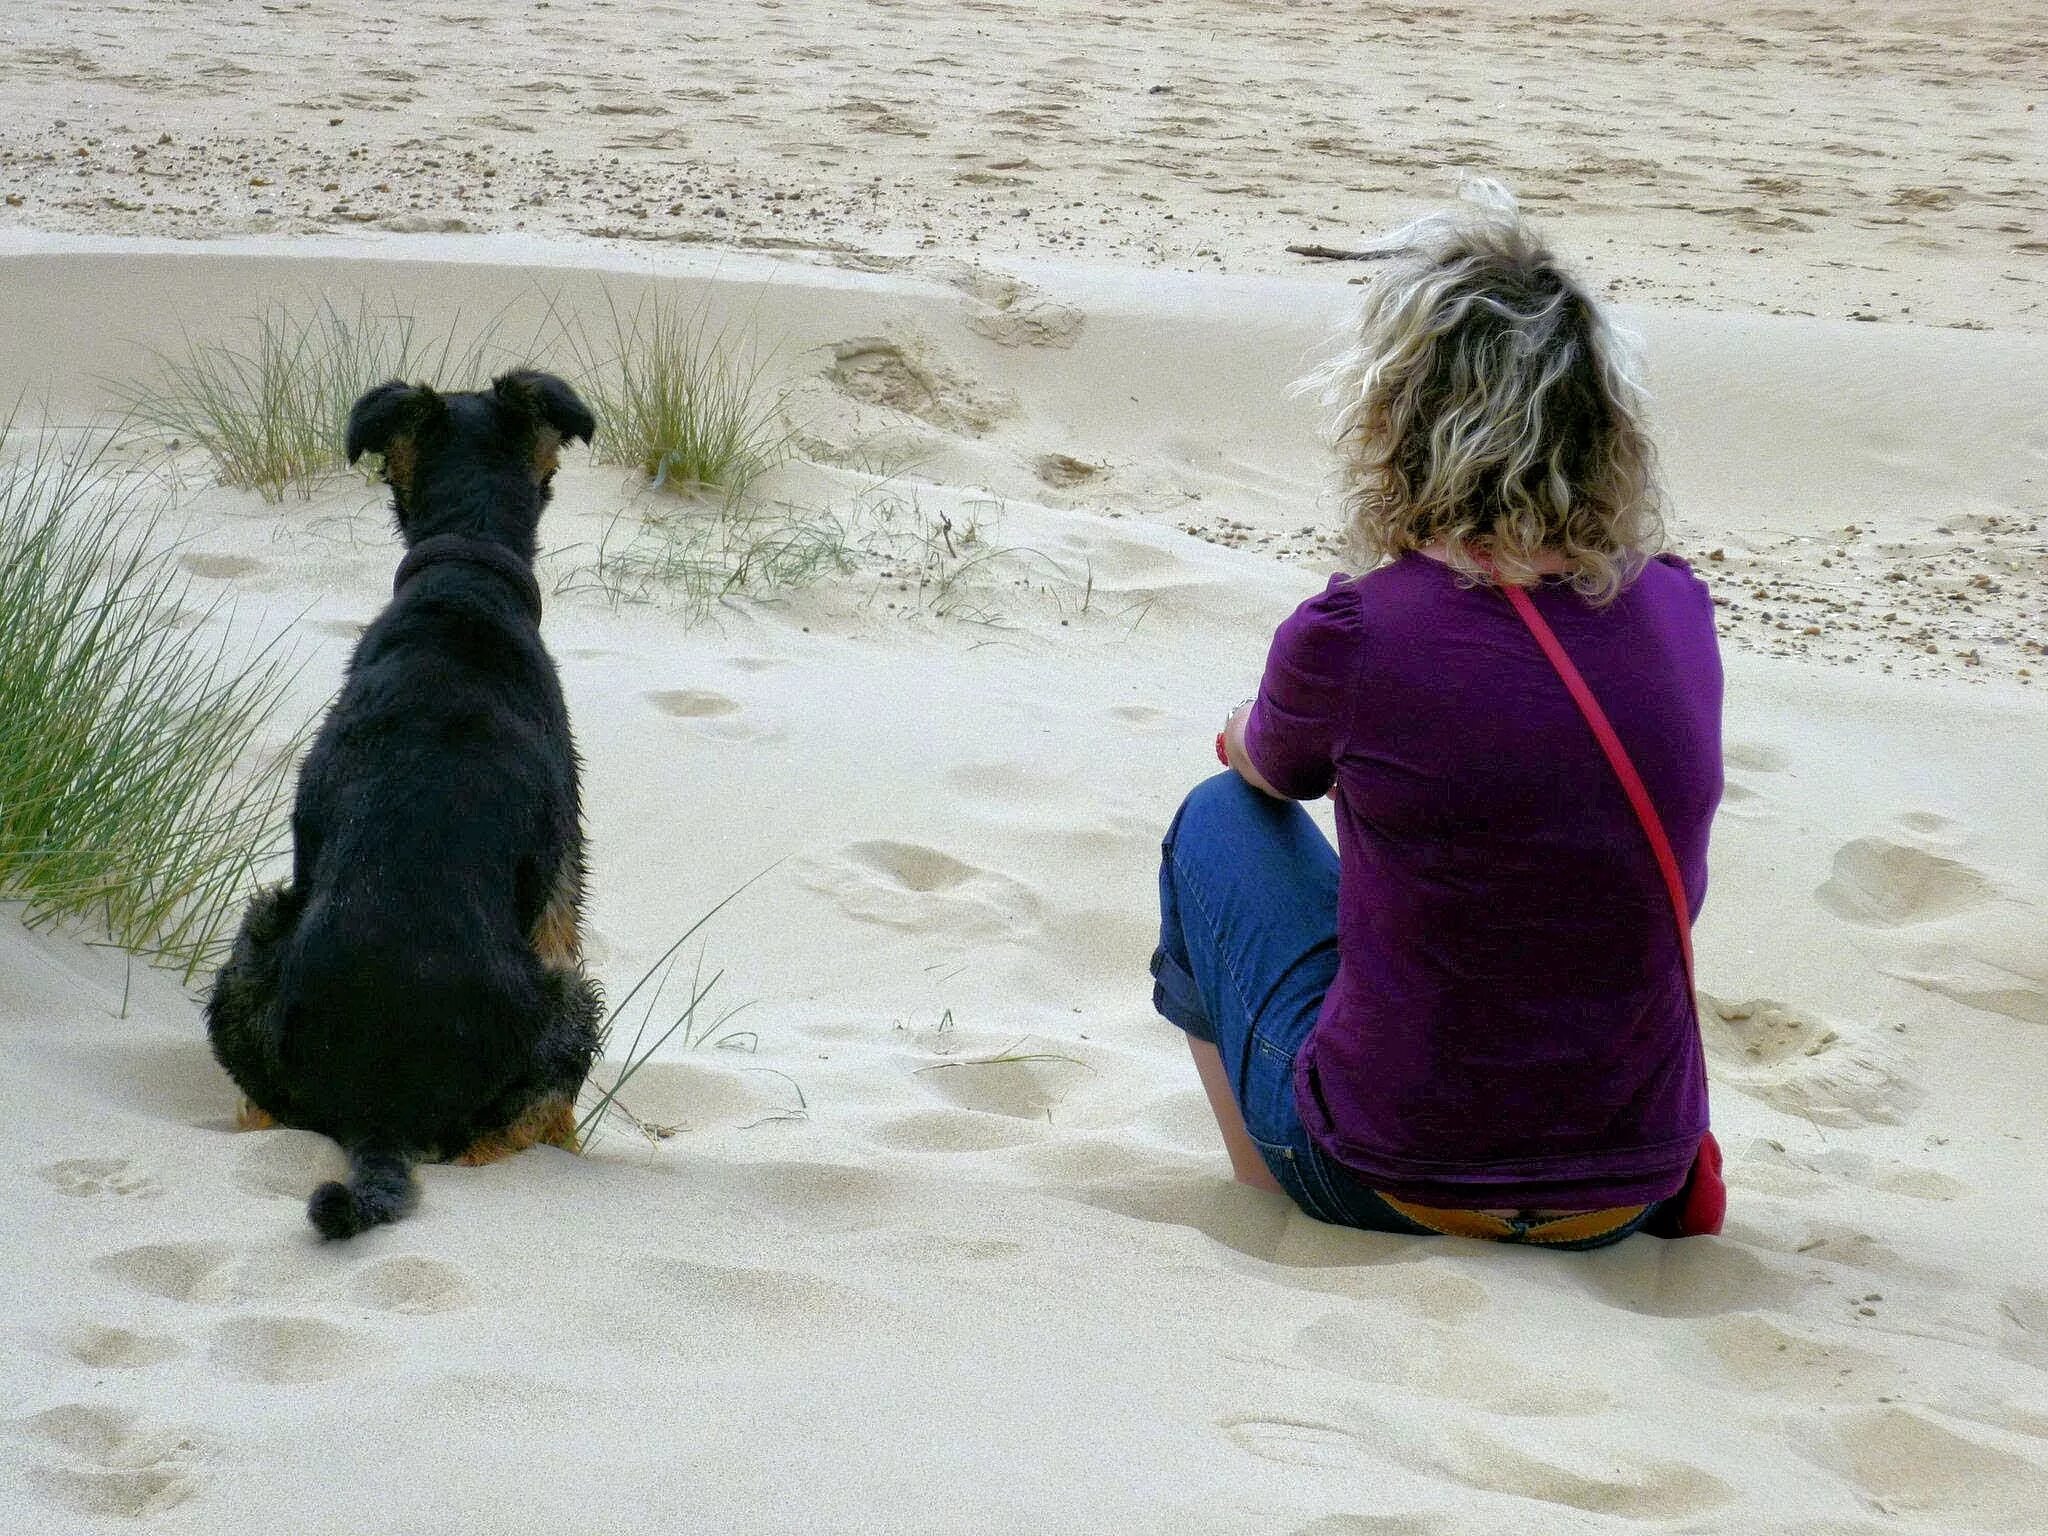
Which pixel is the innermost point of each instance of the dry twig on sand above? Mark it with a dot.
(1337, 253)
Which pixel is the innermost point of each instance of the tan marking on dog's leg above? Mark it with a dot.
(558, 1125)
(251, 1116)
(486, 1149)
(551, 1121)
(558, 935)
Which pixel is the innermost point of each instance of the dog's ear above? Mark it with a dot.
(548, 400)
(385, 415)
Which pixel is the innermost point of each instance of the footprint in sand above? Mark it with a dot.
(1137, 714)
(1023, 1084)
(1760, 1354)
(692, 703)
(1063, 471)
(183, 618)
(1433, 1287)
(1745, 761)
(1884, 884)
(1912, 1462)
(122, 1349)
(877, 371)
(175, 1271)
(1925, 823)
(683, 1098)
(1651, 1489)
(1298, 1442)
(1831, 1242)
(101, 1178)
(1995, 962)
(203, 1272)
(219, 567)
(414, 1284)
(1009, 311)
(1006, 783)
(1756, 757)
(110, 1462)
(1839, 1076)
(283, 1350)
(1689, 1280)
(287, 1164)
(1367, 1266)
(1439, 1363)
(1766, 1166)
(921, 890)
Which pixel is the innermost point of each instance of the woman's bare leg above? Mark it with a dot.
(1245, 1162)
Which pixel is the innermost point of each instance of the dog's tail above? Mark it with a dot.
(380, 1188)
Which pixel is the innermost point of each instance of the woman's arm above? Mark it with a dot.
(1239, 759)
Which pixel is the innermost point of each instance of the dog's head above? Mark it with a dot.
(481, 462)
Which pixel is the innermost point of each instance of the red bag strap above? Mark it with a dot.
(1618, 760)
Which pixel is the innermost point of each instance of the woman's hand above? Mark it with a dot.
(1236, 756)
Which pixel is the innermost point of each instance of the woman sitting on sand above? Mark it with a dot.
(1479, 1019)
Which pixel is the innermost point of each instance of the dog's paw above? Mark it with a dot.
(250, 1116)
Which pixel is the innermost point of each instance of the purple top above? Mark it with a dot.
(1510, 1023)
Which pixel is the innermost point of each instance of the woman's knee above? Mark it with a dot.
(1221, 800)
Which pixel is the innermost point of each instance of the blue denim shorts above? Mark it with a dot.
(1247, 950)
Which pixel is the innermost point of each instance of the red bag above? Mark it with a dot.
(1699, 1208)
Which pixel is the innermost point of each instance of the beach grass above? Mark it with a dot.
(269, 406)
(134, 794)
(686, 402)
(697, 553)
(695, 1022)
(953, 567)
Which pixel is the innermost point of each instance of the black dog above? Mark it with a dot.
(416, 991)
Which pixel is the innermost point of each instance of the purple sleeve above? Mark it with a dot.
(1298, 721)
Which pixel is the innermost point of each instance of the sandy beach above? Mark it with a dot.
(936, 1235)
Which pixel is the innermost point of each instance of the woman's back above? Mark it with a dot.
(1474, 1015)
(1510, 1023)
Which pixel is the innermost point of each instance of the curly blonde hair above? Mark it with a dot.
(1483, 403)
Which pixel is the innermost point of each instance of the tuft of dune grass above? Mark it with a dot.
(269, 406)
(126, 799)
(687, 404)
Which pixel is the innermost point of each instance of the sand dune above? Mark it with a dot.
(937, 1235)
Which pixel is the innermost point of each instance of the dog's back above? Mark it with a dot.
(439, 801)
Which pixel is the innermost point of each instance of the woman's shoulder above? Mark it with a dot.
(1669, 577)
(1337, 607)
(1324, 635)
